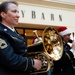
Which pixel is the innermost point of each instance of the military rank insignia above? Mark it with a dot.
(3, 44)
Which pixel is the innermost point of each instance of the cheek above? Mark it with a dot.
(9, 18)
(10, 15)
(65, 38)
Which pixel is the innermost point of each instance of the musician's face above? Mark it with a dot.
(66, 38)
(11, 17)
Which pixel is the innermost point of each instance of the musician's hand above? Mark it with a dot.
(73, 46)
(37, 64)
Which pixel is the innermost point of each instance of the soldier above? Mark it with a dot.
(13, 50)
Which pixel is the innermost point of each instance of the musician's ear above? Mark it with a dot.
(3, 14)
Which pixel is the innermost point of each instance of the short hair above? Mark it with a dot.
(4, 7)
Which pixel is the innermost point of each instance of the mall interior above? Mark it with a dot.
(39, 14)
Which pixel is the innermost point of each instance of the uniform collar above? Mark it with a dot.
(13, 29)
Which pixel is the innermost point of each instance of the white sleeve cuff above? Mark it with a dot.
(73, 51)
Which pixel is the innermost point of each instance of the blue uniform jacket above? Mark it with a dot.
(13, 53)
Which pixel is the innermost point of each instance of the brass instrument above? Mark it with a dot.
(50, 48)
(35, 32)
(52, 43)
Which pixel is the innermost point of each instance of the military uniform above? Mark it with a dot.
(64, 66)
(13, 53)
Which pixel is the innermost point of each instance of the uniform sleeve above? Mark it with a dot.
(9, 59)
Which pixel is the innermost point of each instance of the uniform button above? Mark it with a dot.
(5, 29)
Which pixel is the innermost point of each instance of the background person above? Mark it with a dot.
(64, 66)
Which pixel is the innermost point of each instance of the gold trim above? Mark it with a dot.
(68, 55)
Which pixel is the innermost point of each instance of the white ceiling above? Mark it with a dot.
(63, 1)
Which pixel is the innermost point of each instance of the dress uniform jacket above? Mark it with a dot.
(64, 66)
(13, 53)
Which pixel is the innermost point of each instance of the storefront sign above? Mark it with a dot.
(46, 16)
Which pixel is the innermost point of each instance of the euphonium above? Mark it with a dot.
(52, 43)
(36, 51)
(49, 48)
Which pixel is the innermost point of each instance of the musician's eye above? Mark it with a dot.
(15, 11)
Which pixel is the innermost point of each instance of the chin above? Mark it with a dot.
(15, 23)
